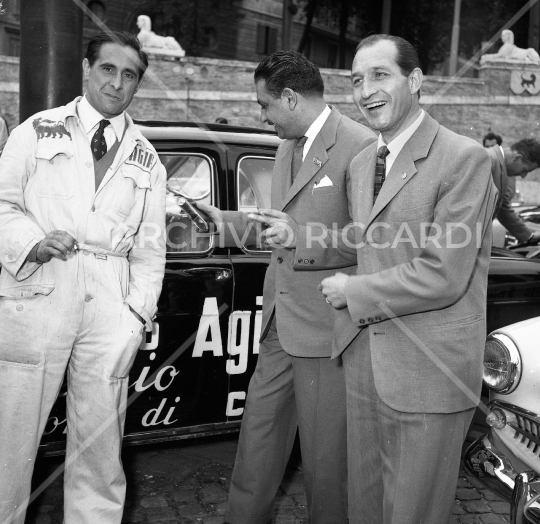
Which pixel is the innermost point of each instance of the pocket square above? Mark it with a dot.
(323, 182)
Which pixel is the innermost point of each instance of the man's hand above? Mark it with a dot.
(214, 213)
(333, 289)
(282, 230)
(57, 244)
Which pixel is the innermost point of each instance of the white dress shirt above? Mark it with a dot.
(90, 119)
(396, 145)
(314, 130)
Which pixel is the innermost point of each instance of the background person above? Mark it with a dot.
(79, 283)
(295, 384)
(506, 164)
(492, 139)
(414, 371)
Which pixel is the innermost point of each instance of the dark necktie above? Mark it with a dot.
(297, 156)
(380, 170)
(99, 146)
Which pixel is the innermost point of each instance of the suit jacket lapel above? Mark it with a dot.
(363, 182)
(404, 168)
(316, 156)
(282, 177)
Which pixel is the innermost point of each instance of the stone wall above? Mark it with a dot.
(202, 89)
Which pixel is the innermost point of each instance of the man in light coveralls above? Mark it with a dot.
(82, 216)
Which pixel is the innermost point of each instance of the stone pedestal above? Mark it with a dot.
(511, 77)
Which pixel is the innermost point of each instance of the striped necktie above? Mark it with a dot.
(99, 146)
(380, 170)
(298, 155)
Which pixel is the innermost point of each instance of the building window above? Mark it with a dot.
(97, 8)
(210, 38)
(266, 39)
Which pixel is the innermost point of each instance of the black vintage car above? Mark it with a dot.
(191, 375)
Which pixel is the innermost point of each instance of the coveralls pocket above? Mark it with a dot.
(54, 173)
(24, 324)
(129, 338)
(134, 183)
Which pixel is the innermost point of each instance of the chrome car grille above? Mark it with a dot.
(526, 427)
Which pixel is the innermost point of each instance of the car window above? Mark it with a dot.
(189, 176)
(254, 181)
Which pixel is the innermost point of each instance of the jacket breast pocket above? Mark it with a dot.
(55, 170)
(134, 182)
(325, 190)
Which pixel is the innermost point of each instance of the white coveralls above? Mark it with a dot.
(74, 314)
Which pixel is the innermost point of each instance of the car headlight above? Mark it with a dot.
(502, 364)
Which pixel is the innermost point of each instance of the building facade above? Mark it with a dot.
(245, 30)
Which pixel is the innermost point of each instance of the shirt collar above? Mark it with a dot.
(90, 118)
(317, 124)
(396, 145)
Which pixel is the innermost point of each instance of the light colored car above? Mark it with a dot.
(507, 459)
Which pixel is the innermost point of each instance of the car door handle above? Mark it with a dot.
(220, 273)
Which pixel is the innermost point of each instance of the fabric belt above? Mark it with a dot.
(99, 252)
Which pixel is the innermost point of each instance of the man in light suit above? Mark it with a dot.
(295, 383)
(414, 365)
(506, 164)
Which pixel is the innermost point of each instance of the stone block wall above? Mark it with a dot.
(202, 89)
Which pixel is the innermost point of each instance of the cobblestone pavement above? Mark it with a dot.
(186, 482)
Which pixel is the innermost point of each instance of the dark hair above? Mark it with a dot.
(492, 136)
(117, 37)
(406, 59)
(529, 149)
(289, 69)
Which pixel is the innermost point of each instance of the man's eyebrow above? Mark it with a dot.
(129, 70)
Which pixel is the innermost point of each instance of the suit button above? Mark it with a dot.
(306, 261)
(280, 260)
(19, 307)
(370, 319)
(51, 161)
(312, 261)
(87, 298)
(361, 321)
(93, 209)
(300, 260)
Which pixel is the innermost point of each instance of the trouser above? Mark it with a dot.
(403, 467)
(284, 393)
(69, 315)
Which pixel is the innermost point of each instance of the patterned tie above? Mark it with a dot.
(297, 156)
(99, 146)
(380, 170)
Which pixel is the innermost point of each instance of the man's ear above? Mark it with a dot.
(415, 80)
(86, 68)
(290, 98)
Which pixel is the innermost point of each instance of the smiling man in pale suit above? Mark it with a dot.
(414, 367)
(295, 383)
